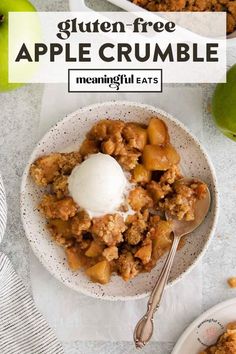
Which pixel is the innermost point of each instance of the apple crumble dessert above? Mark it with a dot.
(226, 343)
(133, 238)
(229, 6)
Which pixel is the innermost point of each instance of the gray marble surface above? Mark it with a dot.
(19, 117)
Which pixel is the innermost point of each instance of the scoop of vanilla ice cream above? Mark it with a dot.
(98, 184)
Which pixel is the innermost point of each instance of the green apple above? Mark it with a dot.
(5, 7)
(224, 105)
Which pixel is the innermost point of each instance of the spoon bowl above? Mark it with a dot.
(202, 206)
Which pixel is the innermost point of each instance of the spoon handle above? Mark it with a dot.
(144, 328)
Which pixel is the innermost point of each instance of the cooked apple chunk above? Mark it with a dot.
(100, 272)
(141, 174)
(162, 234)
(145, 252)
(73, 258)
(157, 132)
(95, 249)
(160, 158)
(60, 228)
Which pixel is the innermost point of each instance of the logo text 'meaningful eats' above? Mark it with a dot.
(115, 80)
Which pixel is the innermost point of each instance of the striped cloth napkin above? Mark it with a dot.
(3, 210)
(23, 329)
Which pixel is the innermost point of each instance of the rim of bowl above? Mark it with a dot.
(215, 192)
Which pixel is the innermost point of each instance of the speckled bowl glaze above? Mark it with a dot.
(67, 135)
(3, 209)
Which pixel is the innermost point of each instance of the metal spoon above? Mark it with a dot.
(144, 328)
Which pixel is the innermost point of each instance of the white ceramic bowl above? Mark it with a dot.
(206, 329)
(80, 5)
(70, 132)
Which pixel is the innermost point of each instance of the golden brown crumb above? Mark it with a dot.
(231, 325)
(60, 186)
(110, 253)
(182, 202)
(68, 161)
(105, 128)
(84, 244)
(109, 229)
(45, 169)
(115, 128)
(232, 282)
(231, 23)
(129, 159)
(98, 131)
(183, 189)
(88, 147)
(200, 190)
(108, 147)
(53, 208)
(121, 149)
(179, 206)
(135, 136)
(172, 175)
(140, 199)
(158, 191)
(136, 225)
(80, 222)
(128, 267)
(154, 219)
